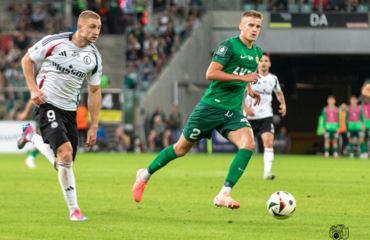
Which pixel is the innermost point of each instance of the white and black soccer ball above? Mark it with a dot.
(281, 205)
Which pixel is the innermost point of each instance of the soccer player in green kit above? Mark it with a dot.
(331, 116)
(355, 119)
(365, 105)
(231, 70)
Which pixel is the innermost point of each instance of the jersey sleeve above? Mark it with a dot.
(223, 53)
(277, 85)
(43, 48)
(94, 77)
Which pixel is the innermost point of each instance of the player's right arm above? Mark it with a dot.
(28, 71)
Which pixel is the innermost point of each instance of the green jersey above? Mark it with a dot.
(237, 59)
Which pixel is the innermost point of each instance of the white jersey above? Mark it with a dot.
(265, 87)
(64, 68)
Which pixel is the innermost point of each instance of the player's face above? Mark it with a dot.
(331, 101)
(353, 101)
(90, 29)
(366, 100)
(250, 28)
(264, 64)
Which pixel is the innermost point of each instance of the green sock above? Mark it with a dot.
(351, 147)
(335, 150)
(34, 153)
(326, 149)
(238, 166)
(164, 157)
(365, 147)
(362, 147)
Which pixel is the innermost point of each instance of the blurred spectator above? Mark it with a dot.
(131, 76)
(114, 12)
(162, 22)
(282, 142)
(175, 122)
(102, 140)
(13, 53)
(82, 123)
(5, 40)
(316, 4)
(178, 7)
(159, 135)
(145, 69)
(158, 112)
(170, 32)
(194, 20)
(150, 46)
(15, 111)
(186, 32)
(121, 140)
(38, 17)
(336, 5)
(278, 5)
(176, 45)
(138, 33)
(22, 41)
(134, 47)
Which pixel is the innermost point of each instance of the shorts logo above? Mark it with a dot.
(54, 125)
(221, 51)
(87, 60)
(244, 120)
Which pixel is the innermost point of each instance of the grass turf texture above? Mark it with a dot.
(178, 201)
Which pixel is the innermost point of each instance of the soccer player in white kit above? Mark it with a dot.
(260, 116)
(67, 60)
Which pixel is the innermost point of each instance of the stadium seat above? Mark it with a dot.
(293, 8)
(262, 8)
(249, 6)
(151, 28)
(363, 8)
(306, 8)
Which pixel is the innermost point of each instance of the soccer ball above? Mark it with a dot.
(281, 205)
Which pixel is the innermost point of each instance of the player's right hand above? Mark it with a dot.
(36, 97)
(251, 77)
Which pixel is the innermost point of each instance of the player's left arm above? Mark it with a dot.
(94, 101)
(280, 97)
(366, 89)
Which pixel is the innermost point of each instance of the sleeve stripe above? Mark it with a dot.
(46, 41)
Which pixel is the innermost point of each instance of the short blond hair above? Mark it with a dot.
(88, 14)
(252, 13)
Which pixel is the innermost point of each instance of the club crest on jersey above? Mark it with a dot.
(221, 51)
(257, 59)
(87, 60)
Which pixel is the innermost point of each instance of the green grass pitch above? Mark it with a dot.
(178, 200)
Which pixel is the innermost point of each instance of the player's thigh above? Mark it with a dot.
(268, 139)
(61, 146)
(183, 146)
(242, 138)
(50, 120)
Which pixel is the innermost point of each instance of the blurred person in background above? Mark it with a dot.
(331, 117)
(176, 123)
(38, 17)
(159, 135)
(138, 33)
(355, 126)
(282, 141)
(343, 126)
(82, 123)
(121, 140)
(145, 70)
(102, 140)
(162, 22)
(158, 111)
(366, 110)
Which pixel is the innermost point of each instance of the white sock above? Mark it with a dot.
(268, 157)
(145, 175)
(45, 149)
(68, 183)
(225, 189)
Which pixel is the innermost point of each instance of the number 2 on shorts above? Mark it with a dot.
(51, 115)
(195, 135)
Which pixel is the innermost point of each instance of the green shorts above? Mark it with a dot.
(367, 133)
(205, 118)
(352, 134)
(331, 135)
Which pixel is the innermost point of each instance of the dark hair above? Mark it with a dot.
(331, 96)
(267, 55)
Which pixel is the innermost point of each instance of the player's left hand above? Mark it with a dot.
(91, 137)
(256, 96)
(282, 109)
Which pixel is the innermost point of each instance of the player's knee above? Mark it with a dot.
(65, 154)
(248, 145)
(180, 152)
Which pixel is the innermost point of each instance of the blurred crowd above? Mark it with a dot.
(310, 5)
(149, 49)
